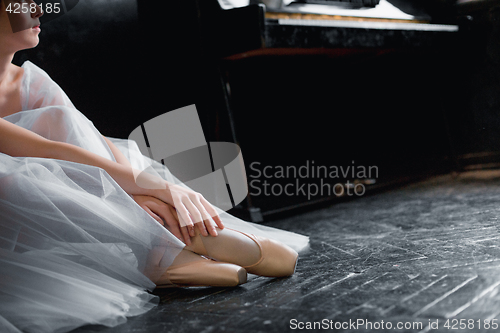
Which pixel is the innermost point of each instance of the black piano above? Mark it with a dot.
(253, 31)
(230, 54)
(253, 27)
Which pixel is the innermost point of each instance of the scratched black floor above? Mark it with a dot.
(426, 252)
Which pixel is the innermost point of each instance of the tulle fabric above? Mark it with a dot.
(75, 248)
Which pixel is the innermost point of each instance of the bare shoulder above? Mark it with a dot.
(17, 72)
(10, 92)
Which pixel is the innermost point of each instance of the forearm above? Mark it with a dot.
(20, 142)
(127, 177)
(191, 206)
(119, 157)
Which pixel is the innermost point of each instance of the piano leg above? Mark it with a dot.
(246, 210)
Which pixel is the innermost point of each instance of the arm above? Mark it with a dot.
(164, 213)
(18, 142)
(119, 157)
(191, 206)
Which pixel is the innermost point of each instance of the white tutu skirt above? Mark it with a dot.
(75, 248)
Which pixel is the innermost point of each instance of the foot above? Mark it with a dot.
(190, 269)
(258, 255)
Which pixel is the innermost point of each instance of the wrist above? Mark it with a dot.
(164, 193)
(152, 186)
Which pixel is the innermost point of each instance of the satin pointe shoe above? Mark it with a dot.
(192, 270)
(258, 255)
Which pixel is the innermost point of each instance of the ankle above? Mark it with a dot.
(186, 257)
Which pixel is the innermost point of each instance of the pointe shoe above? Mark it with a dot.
(201, 273)
(274, 259)
(277, 259)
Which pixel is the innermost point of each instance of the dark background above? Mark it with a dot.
(412, 111)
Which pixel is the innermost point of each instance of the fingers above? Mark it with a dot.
(184, 217)
(202, 228)
(210, 227)
(185, 234)
(210, 210)
(184, 228)
(218, 221)
(153, 215)
(181, 231)
(166, 216)
(173, 212)
(207, 225)
(173, 224)
(194, 211)
(202, 211)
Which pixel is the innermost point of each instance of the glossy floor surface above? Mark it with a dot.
(424, 256)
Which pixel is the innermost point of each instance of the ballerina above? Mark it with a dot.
(80, 241)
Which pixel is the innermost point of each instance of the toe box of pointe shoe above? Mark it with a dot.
(278, 260)
(208, 273)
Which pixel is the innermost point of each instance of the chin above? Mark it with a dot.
(26, 41)
(32, 42)
(29, 46)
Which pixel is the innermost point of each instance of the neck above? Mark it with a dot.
(5, 63)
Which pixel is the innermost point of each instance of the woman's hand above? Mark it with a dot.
(163, 213)
(191, 207)
(167, 216)
(194, 210)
